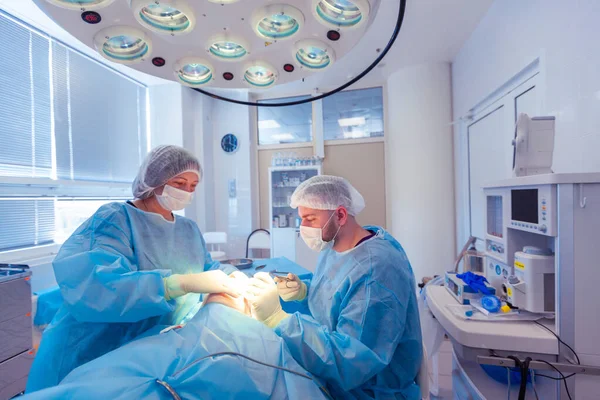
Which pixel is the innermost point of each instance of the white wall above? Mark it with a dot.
(233, 215)
(512, 35)
(194, 134)
(183, 117)
(419, 166)
(166, 123)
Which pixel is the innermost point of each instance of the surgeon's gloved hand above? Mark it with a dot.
(215, 281)
(238, 275)
(292, 288)
(264, 298)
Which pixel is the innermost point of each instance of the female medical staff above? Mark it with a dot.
(128, 268)
(364, 336)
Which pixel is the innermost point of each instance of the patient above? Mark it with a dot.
(184, 361)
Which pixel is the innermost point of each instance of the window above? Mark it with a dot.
(70, 213)
(72, 135)
(25, 112)
(353, 114)
(26, 222)
(280, 125)
(100, 120)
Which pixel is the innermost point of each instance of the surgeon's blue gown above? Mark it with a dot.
(110, 273)
(364, 336)
(186, 360)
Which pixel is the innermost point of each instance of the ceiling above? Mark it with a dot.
(433, 31)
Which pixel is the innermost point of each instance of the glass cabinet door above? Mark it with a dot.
(284, 182)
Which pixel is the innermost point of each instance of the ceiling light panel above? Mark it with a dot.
(170, 17)
(314, 54)
(242, 44)
(123, 44)
(277, 22)
(227, 47)
(193, 71)
(260, 75)
(342, 14)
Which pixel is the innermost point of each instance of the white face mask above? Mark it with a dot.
(313, 237)
(173, 199)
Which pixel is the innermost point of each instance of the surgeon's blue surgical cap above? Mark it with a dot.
(162, 164)
(326, 192)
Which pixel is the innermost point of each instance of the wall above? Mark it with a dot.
(232, 215)
(198, 123)
(197, 138)
(364, 166)
(166, 123)
(512, 35)
(419, 166)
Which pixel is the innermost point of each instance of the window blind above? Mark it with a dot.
(25, 97)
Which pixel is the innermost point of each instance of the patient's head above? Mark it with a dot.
(240, 303)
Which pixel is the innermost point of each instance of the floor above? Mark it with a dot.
(445, 372)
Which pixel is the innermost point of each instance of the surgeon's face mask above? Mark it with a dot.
(174, 199)
(313, 237)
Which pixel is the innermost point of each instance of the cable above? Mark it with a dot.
(555, 379)
(399, 21)
(508, 374)
(532, 372)
(231, 353)
(524, 374)
(564, 378)
(560, 340)
(524, 370)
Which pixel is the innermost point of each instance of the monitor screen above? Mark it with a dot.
(524, 204)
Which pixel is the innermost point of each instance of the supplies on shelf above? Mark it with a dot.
(291, 159)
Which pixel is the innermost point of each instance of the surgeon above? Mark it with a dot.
(128, 268)
(364, 336)
(221, 353)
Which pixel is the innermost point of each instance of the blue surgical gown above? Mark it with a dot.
(182, 358)
(364, 336)
(110, 273)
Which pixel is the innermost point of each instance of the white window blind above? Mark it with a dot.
(26, 222)
(25, 112)
(63, 116)
(100, 120)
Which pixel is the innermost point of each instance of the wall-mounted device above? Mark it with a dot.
(533, 145)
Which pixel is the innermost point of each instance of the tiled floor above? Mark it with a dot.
(445, 372)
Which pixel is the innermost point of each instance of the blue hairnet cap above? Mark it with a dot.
(162, 164)
(325, 192)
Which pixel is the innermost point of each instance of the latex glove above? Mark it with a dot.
(238, 275)
(215, 281)
(292, 289)
(264, 299)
